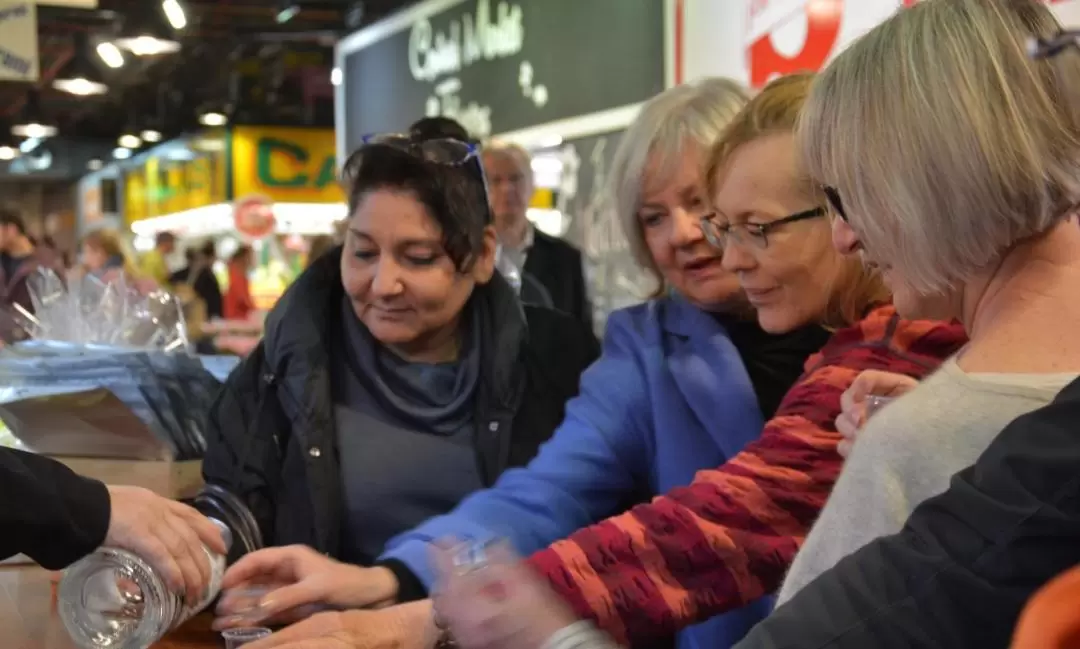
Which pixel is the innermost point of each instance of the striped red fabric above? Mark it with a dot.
(729, 537)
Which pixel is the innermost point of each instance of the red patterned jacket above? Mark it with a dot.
(729, 537)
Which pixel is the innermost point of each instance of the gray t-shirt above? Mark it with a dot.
(908, 452)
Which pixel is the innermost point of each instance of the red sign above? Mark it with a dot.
(254, 216)
(822, 30)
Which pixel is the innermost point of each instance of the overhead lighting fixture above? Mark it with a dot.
(80, 76)
(146, 45)
(129, 141)
(110, 55)
(95, 164)
(151, 136)
(34, 129)
(213, 118)
(335, 76)
(288, 12)
(174, 13)
(121, 153)
(8, 153)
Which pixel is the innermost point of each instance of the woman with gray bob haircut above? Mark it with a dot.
(952, 161)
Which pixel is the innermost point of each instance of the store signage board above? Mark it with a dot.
(755, 41)
(500, 66)
(19, 60)
(289, 165)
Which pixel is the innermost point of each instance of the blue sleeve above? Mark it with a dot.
(592, 462)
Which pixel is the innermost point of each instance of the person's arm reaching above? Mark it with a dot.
(960, 572)
(728, 538)
(57, 517)
(49, 513)
(583, 473)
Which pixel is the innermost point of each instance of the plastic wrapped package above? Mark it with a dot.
(106, 372)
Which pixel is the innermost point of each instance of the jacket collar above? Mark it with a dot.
(682, 318)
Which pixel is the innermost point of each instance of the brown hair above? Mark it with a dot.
(107, 242)
(773, 111)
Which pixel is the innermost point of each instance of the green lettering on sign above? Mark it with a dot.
(269, 147)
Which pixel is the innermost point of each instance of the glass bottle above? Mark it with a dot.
(114, 599)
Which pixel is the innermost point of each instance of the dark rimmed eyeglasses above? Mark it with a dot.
(1045, 48)
(835, 204)
(753, 234)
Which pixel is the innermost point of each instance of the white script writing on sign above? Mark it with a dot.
(475, 118)
(433, 54)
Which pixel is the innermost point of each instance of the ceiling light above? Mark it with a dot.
(174, 13)
(288, 12)
(33, 129)
(79, 76)
(121, 153)
(80, 86)
(147, 45)
(335, 76)
(95, 164)
(129, 141)
(110, 55)
(8, 153)
(213, 119)
(150, 135)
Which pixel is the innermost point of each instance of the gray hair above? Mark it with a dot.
(946, 142)
(693, 114)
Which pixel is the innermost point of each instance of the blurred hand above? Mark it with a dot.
(166, 533)
(407, 626)
(854, 400)
(500, 605)
(296, 582)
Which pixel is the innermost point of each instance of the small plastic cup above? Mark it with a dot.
(245, 603)
(875, 403)
(238, 637)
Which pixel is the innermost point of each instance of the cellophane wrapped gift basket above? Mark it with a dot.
(106, 371)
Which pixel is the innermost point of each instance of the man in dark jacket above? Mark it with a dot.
(19, 260)
(552, 270)
(966, 562)
(56, 517)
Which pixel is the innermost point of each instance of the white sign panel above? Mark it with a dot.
(18, 41)
(754, 41)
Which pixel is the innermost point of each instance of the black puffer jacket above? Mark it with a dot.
(271, 432)
(966, 562)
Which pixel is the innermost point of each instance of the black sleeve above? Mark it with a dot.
(49, 513)
(242, 453)
(966, 562)
(581, 292)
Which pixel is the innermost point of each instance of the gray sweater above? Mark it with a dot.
(908, 452)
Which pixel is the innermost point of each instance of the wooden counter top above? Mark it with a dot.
(28, 618)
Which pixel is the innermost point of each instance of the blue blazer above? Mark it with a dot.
(668, 397)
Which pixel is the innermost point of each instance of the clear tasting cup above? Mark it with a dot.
(238, 637)
(875, 403)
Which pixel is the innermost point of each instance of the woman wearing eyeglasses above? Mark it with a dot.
(397, 375)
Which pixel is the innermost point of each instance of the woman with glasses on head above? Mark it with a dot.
(728, 537)
(685, 382)
(398, 373)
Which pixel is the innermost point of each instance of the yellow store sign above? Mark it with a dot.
(288, 165)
